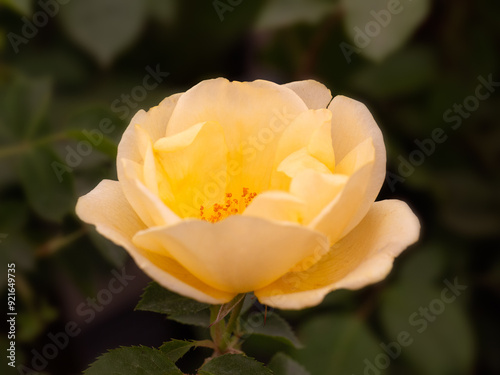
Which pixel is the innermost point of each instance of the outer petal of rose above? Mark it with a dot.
(363, 257)
(136, 146)
(146, 204)
(313, 93)
(352, 123)
(253, 116)
(339, 214)
(236, 255)
(107, 208)
(153, 122)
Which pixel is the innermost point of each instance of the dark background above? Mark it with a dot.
(63, 68)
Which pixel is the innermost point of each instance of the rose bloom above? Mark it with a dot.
(235, 187)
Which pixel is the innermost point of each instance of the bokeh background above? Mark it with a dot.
(68, 64)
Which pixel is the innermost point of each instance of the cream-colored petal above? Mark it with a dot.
(339, 214)
(313, 93)
(300, 131)
(299, 161)
(148, 206)
(189, 159)
(363, 257)
(107, 208)
(141, 183)
(253, 116)
(320, 146)
(352, 123)
(151, 174)
(276, 205)
(152, 123)
(316, 190)
(238, 254)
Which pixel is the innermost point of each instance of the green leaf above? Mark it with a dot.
(379, 28)
(23, 107)
(50, 198)
(24, 7)
(158, 299)
(282, 13)
(337, 344)
(431, 258)
(200, 318)
(281, 364)
(105, 28)
(133, 361)
(227, 308)
(438, 331)
(275, 327)
(230, 364)
(175, 349)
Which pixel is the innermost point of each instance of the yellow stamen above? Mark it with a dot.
(230, 206)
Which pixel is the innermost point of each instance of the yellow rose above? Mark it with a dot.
(234, 187)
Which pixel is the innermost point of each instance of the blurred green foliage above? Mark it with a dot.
(64, 63)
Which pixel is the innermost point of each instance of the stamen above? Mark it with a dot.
(229, 207)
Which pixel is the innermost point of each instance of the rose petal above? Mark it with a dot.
(188, 159)
(153, 123)
(363, 257)
(253, 116)
(107, 208)
(339, 214)
(313, 93)
(146, 204)
(302, 131)
(316, 190)
(352, 124)
(238, 254)
(276, 205)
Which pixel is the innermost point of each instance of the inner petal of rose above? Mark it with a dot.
(201, 176)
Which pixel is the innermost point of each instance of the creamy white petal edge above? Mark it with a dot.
(363, 257)
(107, 208)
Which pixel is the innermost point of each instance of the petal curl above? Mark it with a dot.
(153, 123)
(107, 208)
(352, 124)
(338, 215)
(313, 93)
(276, 205)
(236, 255)
(363, 257)
(189, 159)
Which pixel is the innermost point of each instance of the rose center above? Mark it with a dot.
(232, 205)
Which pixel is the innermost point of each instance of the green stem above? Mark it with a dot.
(216, 330)
(231, 325)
